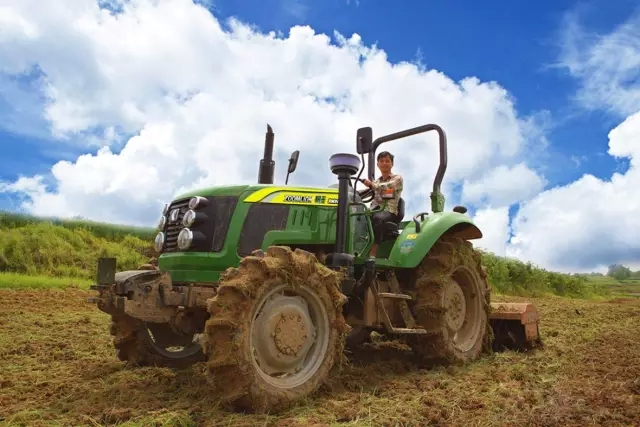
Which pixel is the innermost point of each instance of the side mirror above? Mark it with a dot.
(293, 164)
(293, 161)
(364, 140)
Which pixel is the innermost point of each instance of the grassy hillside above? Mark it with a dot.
(31, 246)
(622, 288)
(112, 232)
(70, 249)
(514, 277)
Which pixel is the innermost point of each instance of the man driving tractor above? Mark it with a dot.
(388, 190)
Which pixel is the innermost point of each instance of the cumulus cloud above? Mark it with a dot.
(494, 223)
(607, 66)
(589, 223)
(496, 187)
(196, 96)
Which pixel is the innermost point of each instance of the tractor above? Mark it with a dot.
(267, 284)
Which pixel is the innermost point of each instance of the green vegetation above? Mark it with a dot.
(63, 251)
(618, 288)
(513, 277)
(622, 272)
(67, 249)
(113, 232)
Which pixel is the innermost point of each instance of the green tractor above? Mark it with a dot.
(266, 284)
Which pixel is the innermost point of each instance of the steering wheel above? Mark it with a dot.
(367, 194)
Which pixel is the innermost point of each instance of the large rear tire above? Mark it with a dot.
(452, 304)
(139, 343)
(275, 330)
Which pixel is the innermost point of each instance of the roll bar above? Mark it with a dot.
(437, 199)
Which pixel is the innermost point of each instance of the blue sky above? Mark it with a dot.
(573, 66)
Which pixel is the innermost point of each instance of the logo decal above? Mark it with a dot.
(298, 199)
(407, 246)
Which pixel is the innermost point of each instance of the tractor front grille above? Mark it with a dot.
(172, 229)
(219, 213)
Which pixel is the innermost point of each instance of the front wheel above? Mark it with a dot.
(452, 304)
(140, 343)
(275, 331)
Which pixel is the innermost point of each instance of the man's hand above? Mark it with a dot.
(367, 183)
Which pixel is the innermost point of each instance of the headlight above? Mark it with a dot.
(197, 202)
(159, 242)
(189, 218)
(185, 238)
(173, 216)
(162, 223)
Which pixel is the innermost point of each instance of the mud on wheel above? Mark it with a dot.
(275, 329)
(151, 344)
(452, 304)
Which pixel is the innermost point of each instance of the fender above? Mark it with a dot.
(411, 247)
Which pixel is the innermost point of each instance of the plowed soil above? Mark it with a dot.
(57, 367)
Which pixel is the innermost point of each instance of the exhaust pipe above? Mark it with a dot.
(267, 165)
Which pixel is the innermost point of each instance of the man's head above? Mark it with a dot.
(385, 162)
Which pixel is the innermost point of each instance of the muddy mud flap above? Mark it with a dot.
(515, 326)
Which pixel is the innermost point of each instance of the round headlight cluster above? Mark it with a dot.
(189, 218)
(192, 216)
(159, 242)
(197, 202)
(185, 238)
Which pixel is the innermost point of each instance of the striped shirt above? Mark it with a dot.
(387, 192)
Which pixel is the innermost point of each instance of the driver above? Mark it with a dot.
(387, 190)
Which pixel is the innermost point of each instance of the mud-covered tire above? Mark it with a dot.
(452, 271)
(134, 346)
(229, 338)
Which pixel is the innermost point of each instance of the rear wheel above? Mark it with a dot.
(452, 304)
(151, 344)
(275, 329)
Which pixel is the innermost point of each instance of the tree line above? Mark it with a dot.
(622, 272)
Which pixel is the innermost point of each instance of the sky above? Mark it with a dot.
(109, 108)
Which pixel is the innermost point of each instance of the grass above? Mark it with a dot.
(57, 367)
(21, 281)
(47, 249)
(616, 288)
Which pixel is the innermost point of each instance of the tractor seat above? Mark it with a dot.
(391, 228)
(400, 215)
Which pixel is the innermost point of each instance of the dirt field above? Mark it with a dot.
(57, 368)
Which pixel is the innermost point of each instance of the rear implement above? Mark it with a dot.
(515, 326)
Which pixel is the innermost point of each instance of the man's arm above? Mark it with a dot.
(395, 183)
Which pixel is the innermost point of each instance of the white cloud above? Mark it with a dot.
(589, 223)
(504, 186)
(494, 223)
(607, 65)
(198, 98)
